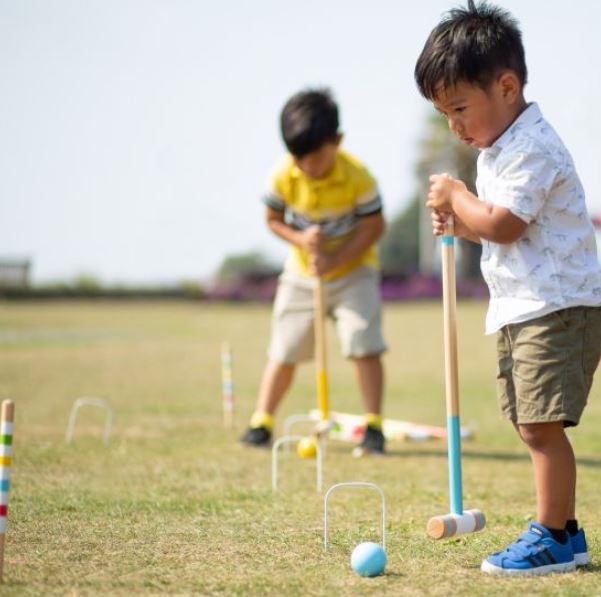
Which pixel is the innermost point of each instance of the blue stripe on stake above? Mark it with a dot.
(454, 447)
(4, 485)
(448, 240)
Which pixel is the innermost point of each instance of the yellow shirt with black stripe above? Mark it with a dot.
(335, 202)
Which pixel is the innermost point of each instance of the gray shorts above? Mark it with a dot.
(353, 301)
(546, 366)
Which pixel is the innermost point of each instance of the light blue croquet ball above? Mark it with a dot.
(368, 559)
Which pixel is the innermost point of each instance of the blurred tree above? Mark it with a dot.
(87, 284)
(441, 151)
(399, 247)
(192, 289)
(236, 267)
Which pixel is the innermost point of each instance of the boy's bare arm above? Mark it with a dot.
(369, 229)
(485, 220)
(309, 239)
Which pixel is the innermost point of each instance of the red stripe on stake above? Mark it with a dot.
(3, 510)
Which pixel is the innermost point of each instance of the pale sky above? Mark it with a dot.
(136, 136)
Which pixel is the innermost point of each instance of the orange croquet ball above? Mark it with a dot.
(306, 448)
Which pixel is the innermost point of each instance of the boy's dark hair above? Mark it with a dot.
(308, 120)
(471, 44)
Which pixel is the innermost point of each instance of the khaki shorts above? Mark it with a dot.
(352, 301)
(546, 366)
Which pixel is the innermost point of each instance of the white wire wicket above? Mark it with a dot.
(286, 439)
(89, 401)
(353, 484)
(292, 421)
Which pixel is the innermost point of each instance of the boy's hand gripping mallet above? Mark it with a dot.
(458, 521)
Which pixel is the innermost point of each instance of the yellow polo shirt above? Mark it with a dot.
(335, 202)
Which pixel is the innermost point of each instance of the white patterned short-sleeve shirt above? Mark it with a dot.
(554, 264)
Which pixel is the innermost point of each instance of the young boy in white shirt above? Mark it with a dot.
(539, 260)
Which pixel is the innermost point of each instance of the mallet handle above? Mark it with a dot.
(451, 366)
(450, 319)
(320, 350)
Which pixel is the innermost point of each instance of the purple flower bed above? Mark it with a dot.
(262, 289)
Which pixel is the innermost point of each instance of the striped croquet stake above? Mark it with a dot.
(6, 451)
(458, 521)
(227, 385)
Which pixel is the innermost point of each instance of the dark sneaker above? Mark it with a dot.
(579, 548)
(257, 436)
(372, 443)
(535, 552)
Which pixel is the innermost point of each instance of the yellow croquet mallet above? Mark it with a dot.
(458, 521)
(320, 359)
(307, 447)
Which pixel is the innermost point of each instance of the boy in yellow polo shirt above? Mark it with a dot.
(326, 205)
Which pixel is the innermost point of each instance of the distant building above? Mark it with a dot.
(14, 273)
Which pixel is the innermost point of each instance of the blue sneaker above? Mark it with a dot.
(579, 548)
(535, 552)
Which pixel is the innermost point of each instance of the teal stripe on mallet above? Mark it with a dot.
(454, 447)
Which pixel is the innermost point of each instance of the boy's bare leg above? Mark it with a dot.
(572, 508)
(554, 471)
(369, 374)
(276, 380)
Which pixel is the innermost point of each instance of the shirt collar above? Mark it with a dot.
(336, 175)
(530, 116)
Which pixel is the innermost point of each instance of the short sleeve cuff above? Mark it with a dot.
(369, 206)
(274, 201)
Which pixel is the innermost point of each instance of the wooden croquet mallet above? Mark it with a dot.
(6, 452)
(458, 521)
(320, 357)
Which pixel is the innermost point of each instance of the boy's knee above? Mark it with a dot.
(368, 361)
(282, 366)
(376, 356)
(540, 435)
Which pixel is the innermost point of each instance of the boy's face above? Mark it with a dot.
(319, 163)
(479, 117)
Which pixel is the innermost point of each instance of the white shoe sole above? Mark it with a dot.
(489, 568)
(582, 559)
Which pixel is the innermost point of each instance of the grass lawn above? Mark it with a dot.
(174, 506)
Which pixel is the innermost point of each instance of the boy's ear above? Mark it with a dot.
(339, 137)
(510, 86)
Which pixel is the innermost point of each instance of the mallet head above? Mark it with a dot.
(449, 525)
